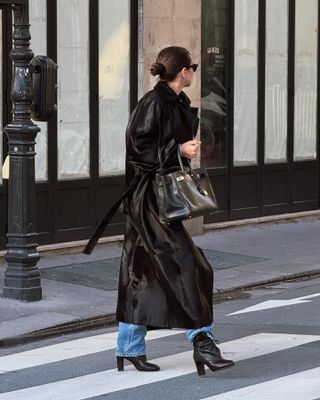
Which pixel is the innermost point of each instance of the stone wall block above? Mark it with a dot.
(187, 8)
(186, 33)
(158, 8)
(157, 34)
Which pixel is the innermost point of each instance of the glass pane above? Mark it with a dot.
(214, 83)
(38, 30)
(245, 81)
(276, 80)
(305, 107)
(1, 94)
(73, 88)
(114, 85)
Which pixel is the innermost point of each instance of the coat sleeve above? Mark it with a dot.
(142, 136)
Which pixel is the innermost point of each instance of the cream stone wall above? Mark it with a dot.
(171, 23)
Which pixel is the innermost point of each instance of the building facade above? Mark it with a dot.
(257, 91)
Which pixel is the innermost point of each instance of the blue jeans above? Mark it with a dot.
(131, 338)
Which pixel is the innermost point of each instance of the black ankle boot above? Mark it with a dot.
(140, 362)
(206, 352)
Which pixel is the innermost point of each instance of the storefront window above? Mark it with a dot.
(114, 84)
(305, 107)
(214, 83)
(38, 30)
(245, 81)
(276, 94)
(73, 88)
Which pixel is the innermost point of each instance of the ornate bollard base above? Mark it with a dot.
(23, 294)
(22, 277)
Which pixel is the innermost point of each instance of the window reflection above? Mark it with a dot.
(73, 88)
(276, 93)
(114, 74)
(38, 30)
(214, 83)
(246, 82)
(306, 54)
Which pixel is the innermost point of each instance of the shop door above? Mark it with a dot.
(215, 100)
(259, 106)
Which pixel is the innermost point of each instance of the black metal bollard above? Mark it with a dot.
(22, 277)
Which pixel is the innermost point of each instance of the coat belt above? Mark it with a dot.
(107, 218)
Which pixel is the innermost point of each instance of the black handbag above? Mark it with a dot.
(184, 193)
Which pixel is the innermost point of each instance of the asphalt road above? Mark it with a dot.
(276, 346)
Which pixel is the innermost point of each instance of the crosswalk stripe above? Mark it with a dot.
(69, 349)
(300, 386)
(173, 366)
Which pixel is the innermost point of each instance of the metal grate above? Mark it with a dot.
(103, 274)
(223, 259)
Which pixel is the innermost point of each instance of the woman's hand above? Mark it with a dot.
(190, 149)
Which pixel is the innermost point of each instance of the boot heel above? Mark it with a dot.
(200, 368)
(120, 363)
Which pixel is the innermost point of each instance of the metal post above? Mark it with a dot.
(22, 277)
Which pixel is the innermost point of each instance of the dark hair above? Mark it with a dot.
(170, 62)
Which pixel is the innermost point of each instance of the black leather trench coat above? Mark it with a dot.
(165, 280)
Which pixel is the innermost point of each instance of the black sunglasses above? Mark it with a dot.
(193, 66)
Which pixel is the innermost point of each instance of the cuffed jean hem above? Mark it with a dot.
(191, 333)
(130, 355)
(131, 340)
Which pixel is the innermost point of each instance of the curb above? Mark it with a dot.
(100, 321)
(109, 320)
(277, 279)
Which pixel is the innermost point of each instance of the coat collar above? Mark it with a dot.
(167, 94)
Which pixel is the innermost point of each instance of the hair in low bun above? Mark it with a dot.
(157, 69)
(170, 61)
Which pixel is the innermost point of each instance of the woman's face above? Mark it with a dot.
(188, 74)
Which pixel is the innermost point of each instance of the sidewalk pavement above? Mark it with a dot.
(79, 291)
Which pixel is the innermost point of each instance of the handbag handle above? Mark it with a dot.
(178, 151)
(179, 159)
(181, 163)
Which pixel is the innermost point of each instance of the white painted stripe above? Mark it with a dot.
(300, 386)
(171, 367)
(70, 349)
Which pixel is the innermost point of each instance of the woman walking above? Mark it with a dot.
(165, 280)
